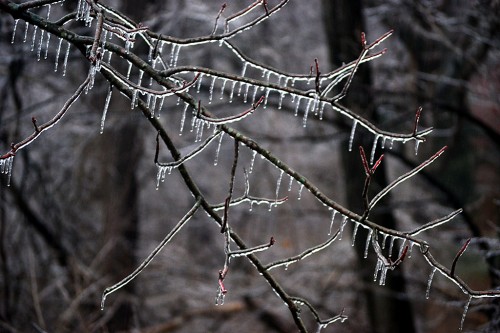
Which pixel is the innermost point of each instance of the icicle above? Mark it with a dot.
(218, 149)
(429, 282)
(383, 276)
(255, 89)
(183, 118)
(161, 106)
(290, 184)
(384, 138)
(300, 191)
(6, 167)
(46, 55)
(66, 56)
(26, 28)
(176, 55)
(14, 31)
(141, 74)
(160, 176)
(378, 267)
(153, 105)
(410, 248)
(297, 106)
(266, 97)
(129, 69)
(331, 221)
(322, 110)
(280, 103)
(374, 148)
(367, 246)
(134, 99)
(306, 112)
(383, 241)
(268, 76)
(354, 232)
(416, 146)
(278, 184)
(110, 54)
(222, 89)
(392, 143)
(57, 54)
(34, 38)
(246, 93)
(252, 161)
(351, 137)
(106, 106)
(232, 92)
(243, 71)
(466, 308)
(391, 245)
(198, 84)
(342, 226)
(211, 90)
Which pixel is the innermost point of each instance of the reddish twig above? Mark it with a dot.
(459, 254)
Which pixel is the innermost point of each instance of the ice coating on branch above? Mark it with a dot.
(6, 167)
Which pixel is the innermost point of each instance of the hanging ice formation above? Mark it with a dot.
(106, 106)
(6, 167)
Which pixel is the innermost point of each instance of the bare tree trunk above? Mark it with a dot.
(388, 312)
